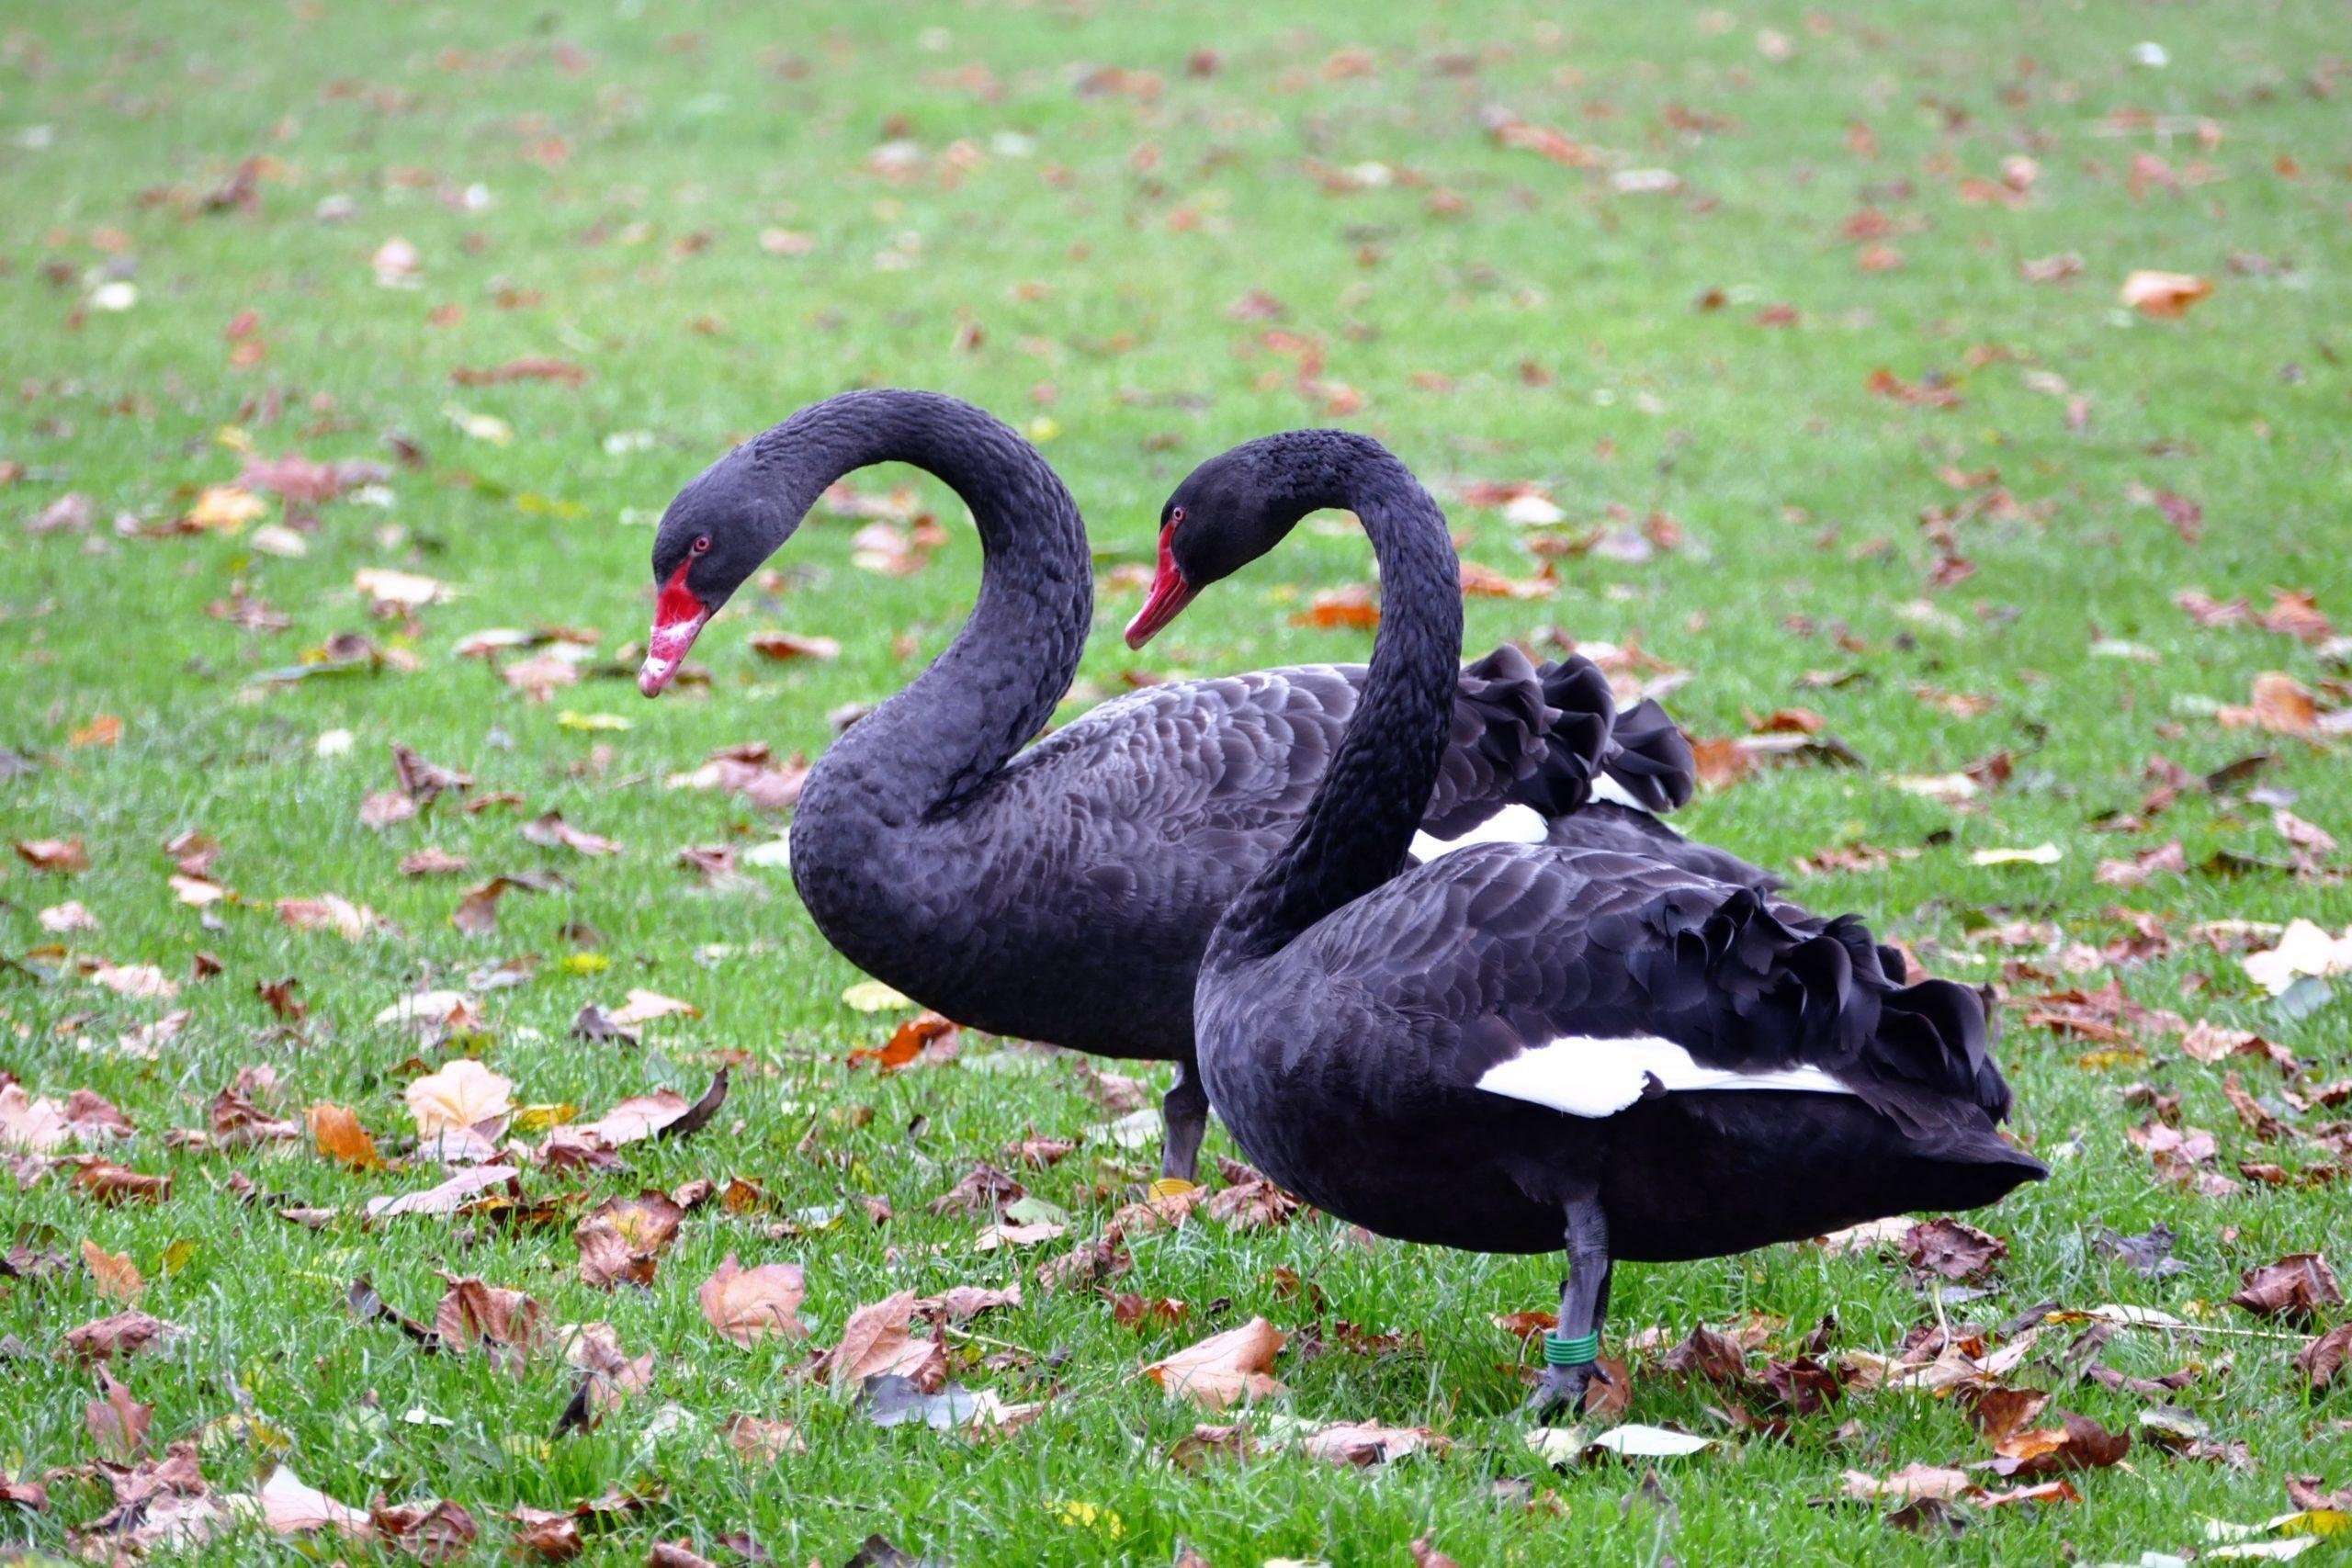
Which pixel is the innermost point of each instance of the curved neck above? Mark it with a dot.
(1358, 827)
(996, 684)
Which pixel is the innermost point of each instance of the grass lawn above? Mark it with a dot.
(1808, 321)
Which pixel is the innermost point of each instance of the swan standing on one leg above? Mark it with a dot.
(1517, 1046)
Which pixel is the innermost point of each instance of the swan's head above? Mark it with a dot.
(1227, 513)
(714, 536)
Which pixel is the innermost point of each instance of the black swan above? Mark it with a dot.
(1517, 1044)
(1063, 892)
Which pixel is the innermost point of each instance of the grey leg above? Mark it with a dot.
(1570, 1352)
(1185, 1113)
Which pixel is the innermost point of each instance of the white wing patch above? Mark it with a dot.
(1609, 789)
(1514, 824)
(1589, 1076)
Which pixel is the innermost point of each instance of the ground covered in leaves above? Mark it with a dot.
(432, 1128)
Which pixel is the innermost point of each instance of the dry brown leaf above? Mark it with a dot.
(116, 1277)
(746, 1305)
(113, 1184)
(1953, 1250)
(874, 1343)
(125, 1334)
(117, 1422)
(1237, 1364)
(2296, 1287)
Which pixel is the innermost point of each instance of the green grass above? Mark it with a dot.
(1093, 241)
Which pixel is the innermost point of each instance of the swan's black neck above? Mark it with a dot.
(994, 687)
(1362, 821)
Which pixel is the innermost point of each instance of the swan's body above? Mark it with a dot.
(1519, 1043)
(1065, 891)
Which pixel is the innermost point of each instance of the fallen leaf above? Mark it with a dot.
(876, 1343)
(2164, 295)
(336, 1132)
(1236, 1364)
(114, 1276)
(446, 1198)
(57, 856)
(2296, 1287)
(291, 1507)
(118, 1423)
(1948, 1249)
(125, 1334)
(746, 1305)
(463, 1095)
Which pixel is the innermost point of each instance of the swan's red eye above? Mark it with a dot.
(701, 545)
(1175, 515)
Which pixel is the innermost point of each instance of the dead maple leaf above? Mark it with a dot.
(746, 1305)
(1362, 1444)
(620, 1239)
(460, 1097)
(335, 1133)
(331, 911)
(762, 1440)
(644, 1006)
(434, 1531)
(876, 1343)
(507, 1325)
(1955, 1251)
(1237, 1364)
(1908, 1484)
(2296, 1287)
(113, 1273)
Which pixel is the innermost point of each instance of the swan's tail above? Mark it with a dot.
(1650, 759)
(1802, 992)
(1548, 736)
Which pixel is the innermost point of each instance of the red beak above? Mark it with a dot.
(1170, 593)
(679, 618)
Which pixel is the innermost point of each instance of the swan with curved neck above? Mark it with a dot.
(1064, 891)
(1519, 1046)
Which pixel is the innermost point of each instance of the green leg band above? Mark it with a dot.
(1561, 1350)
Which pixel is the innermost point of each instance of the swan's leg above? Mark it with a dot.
(1571, 1353)
(1185, 1114)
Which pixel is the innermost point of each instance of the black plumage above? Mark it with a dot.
(1517, 1046)
(1064, 891)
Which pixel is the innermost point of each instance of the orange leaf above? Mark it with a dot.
(114, 1273)
(339, 1135)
